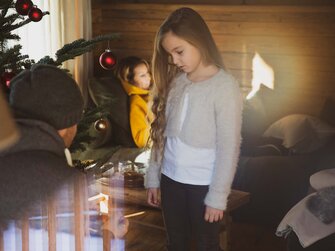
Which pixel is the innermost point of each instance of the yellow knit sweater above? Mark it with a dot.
(140, 116)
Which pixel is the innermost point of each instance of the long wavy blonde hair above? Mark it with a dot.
(187, 24)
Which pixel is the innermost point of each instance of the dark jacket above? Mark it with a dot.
(32, 169)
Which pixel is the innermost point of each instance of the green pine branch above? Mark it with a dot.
(91, 115)
(79, 47)
(14, 60)
(46, 60)
(75, 48)
(4, 37)
(5, 5)
(104, 99)
(102, 96)
(9, 27)
(8, 19)
(11, 58)
(83, 43)
(8, 22)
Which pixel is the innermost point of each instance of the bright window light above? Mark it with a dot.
(262, 73)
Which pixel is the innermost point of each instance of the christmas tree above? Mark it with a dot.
(15, 14)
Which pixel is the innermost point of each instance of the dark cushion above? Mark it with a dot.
(327, 113)
(300, 132)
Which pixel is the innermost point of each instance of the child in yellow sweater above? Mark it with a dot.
(135, 77)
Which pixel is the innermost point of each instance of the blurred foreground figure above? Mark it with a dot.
(8, 131)
(47, 105)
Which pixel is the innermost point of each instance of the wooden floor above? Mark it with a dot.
(146, 233)
(247, 237)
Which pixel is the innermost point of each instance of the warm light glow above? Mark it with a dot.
(109, 61)
(103, 202)
(134, 214)
(36, 15)
(262, 73)
(102, 126)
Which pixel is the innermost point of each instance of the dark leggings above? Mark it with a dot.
(183, 211)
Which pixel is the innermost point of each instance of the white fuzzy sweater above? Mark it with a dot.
(213, 122)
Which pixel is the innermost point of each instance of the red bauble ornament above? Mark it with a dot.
(6, 77)
(107, 60)
(35, 14)
(23, 6)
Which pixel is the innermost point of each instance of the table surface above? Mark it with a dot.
(138, 195)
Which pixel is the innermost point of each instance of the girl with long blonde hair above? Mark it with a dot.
(197, 107)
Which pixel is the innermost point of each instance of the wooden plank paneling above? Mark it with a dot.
(292, 2)
(222, 15)
(303, 45)
(107, 5)
(176, 1)
(226, 2)
(227, 28)
(230, 16)
(293, 64)
(297, 42)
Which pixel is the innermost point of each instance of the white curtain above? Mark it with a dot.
(68, 20)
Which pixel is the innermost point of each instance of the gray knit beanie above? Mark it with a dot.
(48, 94)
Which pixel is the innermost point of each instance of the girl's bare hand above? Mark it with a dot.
(153, 197)
(213, 214)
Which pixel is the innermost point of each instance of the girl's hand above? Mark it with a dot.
(213, 214)
(153, 197)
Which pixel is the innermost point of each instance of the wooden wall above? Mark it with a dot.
(227, 2)
(298, 42)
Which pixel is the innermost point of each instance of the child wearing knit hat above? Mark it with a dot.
(47, 93)
(47, 105)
